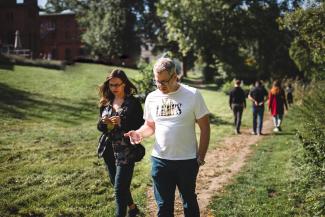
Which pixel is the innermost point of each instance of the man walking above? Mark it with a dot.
(258, 95)
(170, 114)
(237, 103)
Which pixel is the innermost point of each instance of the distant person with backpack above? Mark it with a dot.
(237, 103)
(258, 95)
(277, 103)
(120, 112)
(289, 91)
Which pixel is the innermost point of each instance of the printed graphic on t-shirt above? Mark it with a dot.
(168, 107)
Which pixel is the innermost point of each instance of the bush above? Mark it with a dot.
(311, 160)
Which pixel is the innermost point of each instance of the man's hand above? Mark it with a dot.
(135, 137)
(200, 162)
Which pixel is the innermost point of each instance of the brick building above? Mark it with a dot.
(60, 36)
(52, 36)
(23, 17)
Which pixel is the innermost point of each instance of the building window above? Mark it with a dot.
(81, 52)
(67, 35)
(54, 53)
(10, 17)
(67, 54)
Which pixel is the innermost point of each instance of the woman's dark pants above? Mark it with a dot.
(120, 177)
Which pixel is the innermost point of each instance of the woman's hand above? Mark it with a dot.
(106, 120)
(116, 120)
(135, 137)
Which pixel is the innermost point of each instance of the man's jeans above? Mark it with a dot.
(167, 174)
(258, 112)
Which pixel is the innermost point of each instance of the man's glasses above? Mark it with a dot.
(115, 85)
(163, 83)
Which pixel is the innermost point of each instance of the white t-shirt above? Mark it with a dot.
(175, 115)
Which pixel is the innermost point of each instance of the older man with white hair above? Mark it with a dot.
(170, 113)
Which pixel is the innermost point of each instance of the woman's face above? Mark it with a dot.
(116, 86)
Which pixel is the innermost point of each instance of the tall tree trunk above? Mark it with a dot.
(184, 66)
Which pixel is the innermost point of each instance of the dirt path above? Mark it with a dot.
(221, 165)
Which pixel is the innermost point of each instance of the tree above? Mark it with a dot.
(308, 47)
(109, 27)
(241, 38)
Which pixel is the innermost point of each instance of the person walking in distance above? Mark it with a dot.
(237, 103)
(289, 91)
(277, 103)
(170, 113)
(258, 95)
(120, 112)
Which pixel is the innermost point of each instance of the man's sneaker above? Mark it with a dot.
(280, 129)
(134, 212)
(260, 134)
(253, 133)
(276, 129)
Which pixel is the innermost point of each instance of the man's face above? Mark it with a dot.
(164, 81)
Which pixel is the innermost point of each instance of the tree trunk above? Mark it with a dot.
(184, 66)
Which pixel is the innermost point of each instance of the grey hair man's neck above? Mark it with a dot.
(164, 65)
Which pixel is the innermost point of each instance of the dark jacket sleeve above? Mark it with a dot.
(284, 99)
(244, 98)
(100, 125)
(230, 98)
(134, 115)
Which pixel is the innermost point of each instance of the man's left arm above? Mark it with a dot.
(204, 124)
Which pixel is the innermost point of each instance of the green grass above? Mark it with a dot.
(265, 186)
(48, 142)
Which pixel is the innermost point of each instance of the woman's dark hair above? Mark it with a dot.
(105, 94)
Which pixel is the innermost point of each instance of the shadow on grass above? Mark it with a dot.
(20, 104)
(215, 120)
(290, 133)
(5, 63)
(199, 84)
(6, 67)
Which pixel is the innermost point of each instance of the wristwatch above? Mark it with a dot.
(200, 162)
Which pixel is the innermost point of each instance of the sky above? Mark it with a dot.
(42, 3)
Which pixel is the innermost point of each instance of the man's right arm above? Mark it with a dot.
(146, 130)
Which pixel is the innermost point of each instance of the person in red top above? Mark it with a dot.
(277, 103)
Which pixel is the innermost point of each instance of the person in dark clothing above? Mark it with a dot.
(120, 112)
(289, 91)
(237, 103)
(258, 95)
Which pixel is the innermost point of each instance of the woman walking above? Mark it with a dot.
(120, 112)
(277, 102)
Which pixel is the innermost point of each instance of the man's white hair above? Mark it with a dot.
(164, 64)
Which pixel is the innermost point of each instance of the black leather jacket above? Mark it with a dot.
(131, 119)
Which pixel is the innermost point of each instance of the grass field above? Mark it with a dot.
(265, 186)
(48, 141)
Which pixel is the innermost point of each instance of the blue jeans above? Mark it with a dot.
(120, 177)
(258, 112)
(166, 175)
(277, 119)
